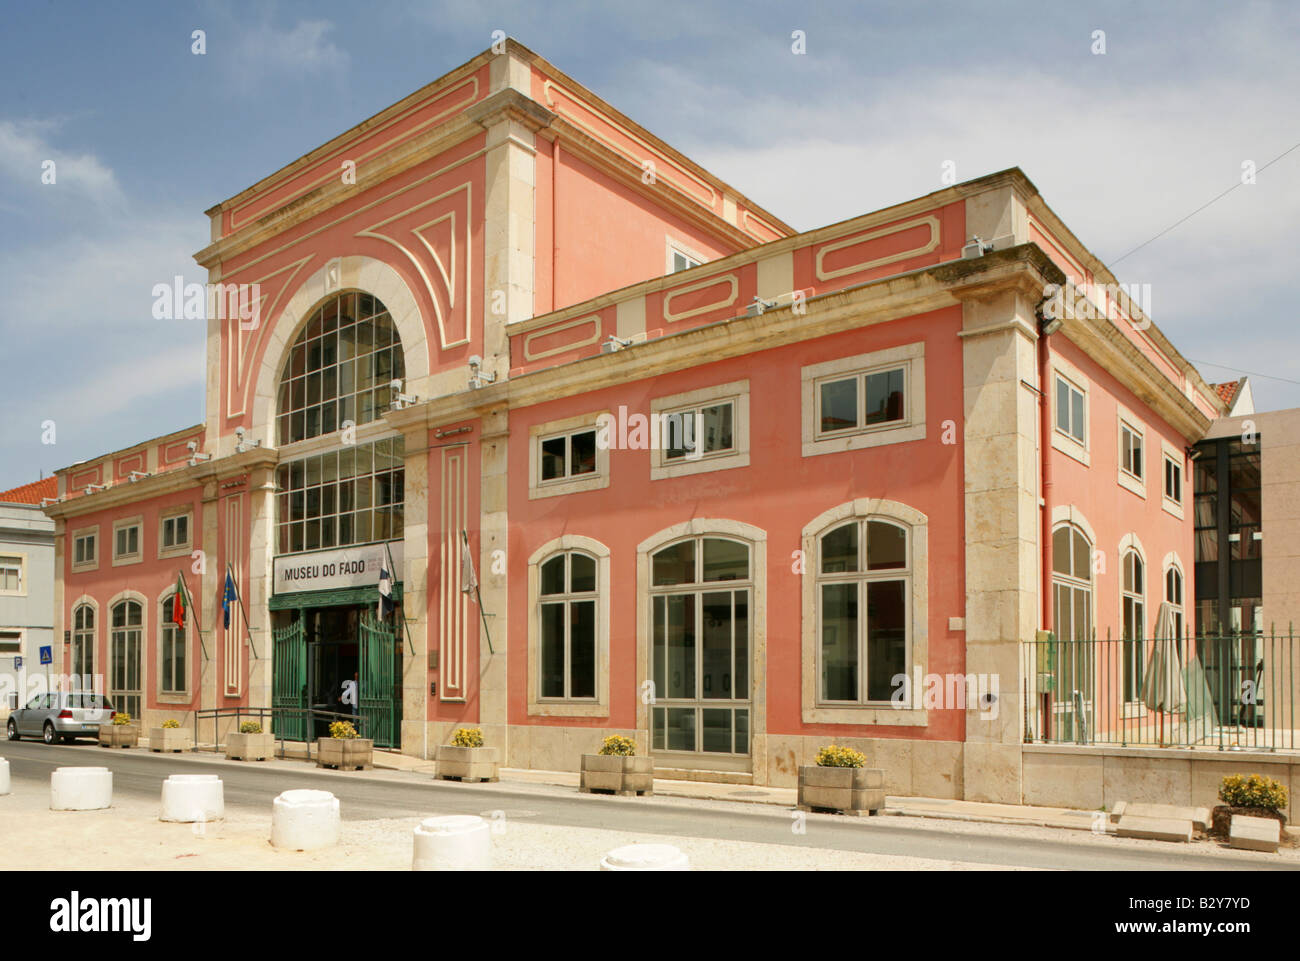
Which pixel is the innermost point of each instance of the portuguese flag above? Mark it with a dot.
(178, 602)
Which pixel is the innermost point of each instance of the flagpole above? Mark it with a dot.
(189, 606)
(243, 613)
(478, 595)
(392, 577)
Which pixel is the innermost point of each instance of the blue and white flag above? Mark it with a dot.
(228, 597)
(385, 591)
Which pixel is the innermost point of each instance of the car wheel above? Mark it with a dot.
(13, 730)
(49, 735)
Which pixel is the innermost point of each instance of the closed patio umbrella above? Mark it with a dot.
(1163, 690)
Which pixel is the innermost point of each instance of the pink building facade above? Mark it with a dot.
(723, 485)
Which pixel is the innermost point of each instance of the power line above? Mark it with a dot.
(1216, 199)
(1252, 373)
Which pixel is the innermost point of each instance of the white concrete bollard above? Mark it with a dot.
(302, 820)
(81, 789)
(645, 857)
(193, 797)
(4, 776)
(456, 842)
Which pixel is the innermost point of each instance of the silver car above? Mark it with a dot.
(63, 715)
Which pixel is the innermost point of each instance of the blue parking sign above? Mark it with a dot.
(47, 655)
(18, 663)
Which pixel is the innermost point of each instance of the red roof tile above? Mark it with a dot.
(1227, 391)
(31, 493)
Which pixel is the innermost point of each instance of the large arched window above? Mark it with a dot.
(1174, 598)
(1072, 618)
(863, 594)
(124, 657)
(175, 679)
(83, 642)
(567, 608)
(700, 598)
(339, 368)
(1134, 617)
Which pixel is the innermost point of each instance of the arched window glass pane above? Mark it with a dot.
(582, 575)
(553, 575)
(886, 546)
(675, 564)
(840, 550)
(1061, 550)
(725, 560)
(339, 368)
(1082, 557)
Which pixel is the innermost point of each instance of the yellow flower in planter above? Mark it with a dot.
(250, 727)
(833, 756)
(121, 719)
(171, 724)
(467, 737)
(1253, 791)
(343, 730)
(617, 744)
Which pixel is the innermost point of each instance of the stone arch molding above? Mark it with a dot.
(345, 273)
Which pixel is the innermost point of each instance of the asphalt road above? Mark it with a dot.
(139, 774)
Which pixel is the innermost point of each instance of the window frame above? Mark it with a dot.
(20, 566)
(80, 534)
(569, 484)
(1130, 548)
(162, 694)
(171, 516)
(118, 695)
(1065, 372)
(122, 524)
(737, 394)
(911, 713)
(1172, 456)
(82, 635)
(676, 247)
(1134, 482)
(20, 644)
(909, 357)
(597, 706)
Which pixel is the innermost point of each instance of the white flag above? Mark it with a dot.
(468, 579)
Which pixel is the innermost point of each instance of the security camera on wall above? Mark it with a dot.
(241, 444)
(400, 400)
(476, 376)
(195, 456)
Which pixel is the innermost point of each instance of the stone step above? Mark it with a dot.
(1254, 834)
(1200, 817)
(1155, 829)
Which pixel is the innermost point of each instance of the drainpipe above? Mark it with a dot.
(1046, 327)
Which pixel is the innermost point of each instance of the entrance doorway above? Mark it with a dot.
(322, 651)
(701, 592)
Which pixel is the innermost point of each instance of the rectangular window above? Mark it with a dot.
(1173, 480)
(83, 549)
(568, 455)
(1130, 450)
(11, 642)
(11, 574)
(126, 542)
(714, 423)
(1070, 410)
(862, 401)
(682, 262)
(176, 532)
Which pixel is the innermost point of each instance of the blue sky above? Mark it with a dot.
(146, 136)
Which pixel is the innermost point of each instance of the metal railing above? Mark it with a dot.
(1230, 691)
(282, 720)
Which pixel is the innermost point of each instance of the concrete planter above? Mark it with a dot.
(118, 735)
(167, 740)
(626, 776)
(468, 763)
(345, 753)
(249, 747)
(848, 790)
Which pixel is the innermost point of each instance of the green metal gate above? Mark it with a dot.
(380, 699)
(289, 681)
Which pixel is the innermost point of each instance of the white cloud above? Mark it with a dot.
(264, 51)
(25, 148)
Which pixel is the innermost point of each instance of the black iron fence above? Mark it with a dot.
(299, 724)
(1233, 691)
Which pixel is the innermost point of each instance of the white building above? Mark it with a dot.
(26, 583)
